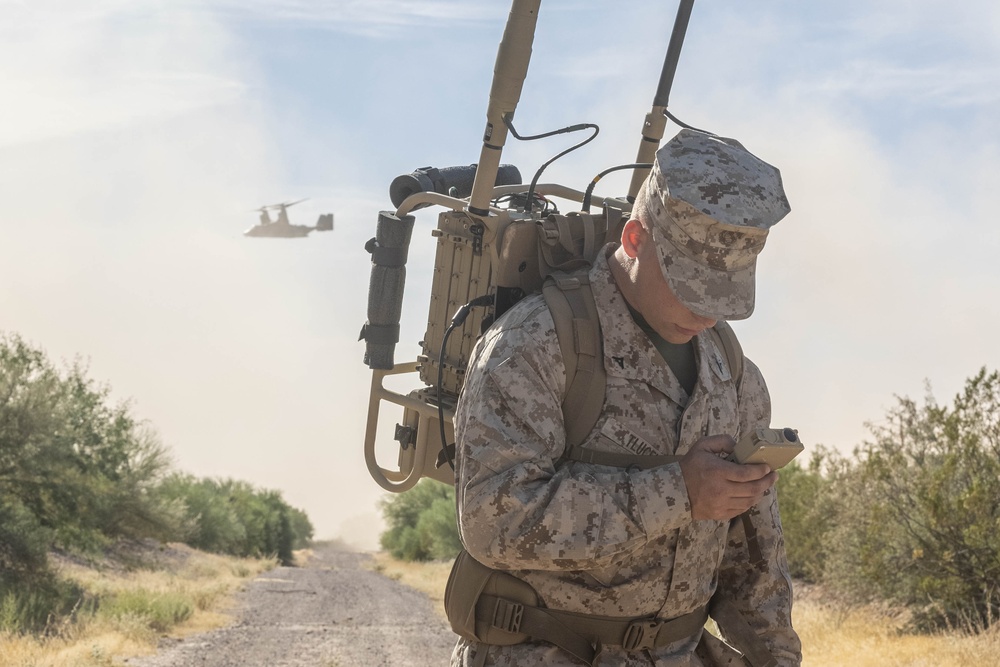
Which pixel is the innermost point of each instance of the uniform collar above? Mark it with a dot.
(628, 352)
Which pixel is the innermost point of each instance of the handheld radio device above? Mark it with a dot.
(773, 446)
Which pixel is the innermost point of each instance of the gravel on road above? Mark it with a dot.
(332, 612)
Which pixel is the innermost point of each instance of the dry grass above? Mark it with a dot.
(174, 590)
(428, 578)
(832, 635)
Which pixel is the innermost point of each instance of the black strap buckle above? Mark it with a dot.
(507, 615)
(641, 635)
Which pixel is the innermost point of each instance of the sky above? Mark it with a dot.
(137, 138)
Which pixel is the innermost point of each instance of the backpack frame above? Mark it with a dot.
(521, 255)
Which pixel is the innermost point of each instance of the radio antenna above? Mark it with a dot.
(656, 120)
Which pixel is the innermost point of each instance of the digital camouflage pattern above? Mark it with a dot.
(598, 539)
(713, 203)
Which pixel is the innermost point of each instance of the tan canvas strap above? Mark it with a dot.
(569, 242)
(619, 459)
(583, 634)
(570, 299)
(589, 240)
(535, 622)
(725, 338)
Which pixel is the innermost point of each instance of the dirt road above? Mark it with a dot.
(333, 612)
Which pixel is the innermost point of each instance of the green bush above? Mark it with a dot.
(805, 498)
(919, 515)
(30, 595)
(24, 543)
(264, 517)
(422, 523)
(227, 516)
(31, 603)
(78, 471)
(301, 528)
(82, 466)
(209, 521)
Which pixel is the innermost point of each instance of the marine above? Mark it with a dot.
(623, 564)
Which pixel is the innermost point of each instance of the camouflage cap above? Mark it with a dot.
(711, 203)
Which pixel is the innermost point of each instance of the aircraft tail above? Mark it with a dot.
(325, 222)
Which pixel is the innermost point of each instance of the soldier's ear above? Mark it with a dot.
(634, 235)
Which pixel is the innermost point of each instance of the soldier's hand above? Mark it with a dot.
(720, 489)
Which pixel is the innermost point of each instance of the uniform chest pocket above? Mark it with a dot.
(614, 444)
(638, 418)
(722, 413)
(617, 437)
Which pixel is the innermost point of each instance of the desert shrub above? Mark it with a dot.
(232, 517)
(29, 594)
(82, 465)
(32, 603)
(79, 471)
(919, 515)
(421, 522)
(209, 522)
(24, 543)
(806, 498)
(264, 516)
(301, 528)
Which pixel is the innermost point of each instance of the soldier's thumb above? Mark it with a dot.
(716, 444)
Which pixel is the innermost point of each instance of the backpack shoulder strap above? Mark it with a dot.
(725, 339)
(570, 299)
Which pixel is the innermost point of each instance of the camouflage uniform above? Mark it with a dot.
(603, 540)
(610, 541)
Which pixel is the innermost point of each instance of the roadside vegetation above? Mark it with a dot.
(127, 599)
(421, 524)
(912, 519)
(81, 475)
(898, 544)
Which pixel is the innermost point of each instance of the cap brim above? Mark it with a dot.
(711, 293)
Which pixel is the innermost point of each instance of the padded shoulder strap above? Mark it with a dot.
(570, 299)
(725, 338)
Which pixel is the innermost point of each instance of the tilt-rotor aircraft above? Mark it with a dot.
(282, 228)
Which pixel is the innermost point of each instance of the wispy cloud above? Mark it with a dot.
(68, 69)
(370, 17)
(913, 51)
(946, 85)
(59, 108)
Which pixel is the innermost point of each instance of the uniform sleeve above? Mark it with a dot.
(762, 592)
(516, 508)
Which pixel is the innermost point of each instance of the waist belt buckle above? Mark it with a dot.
(507, 615)
(641, 635)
